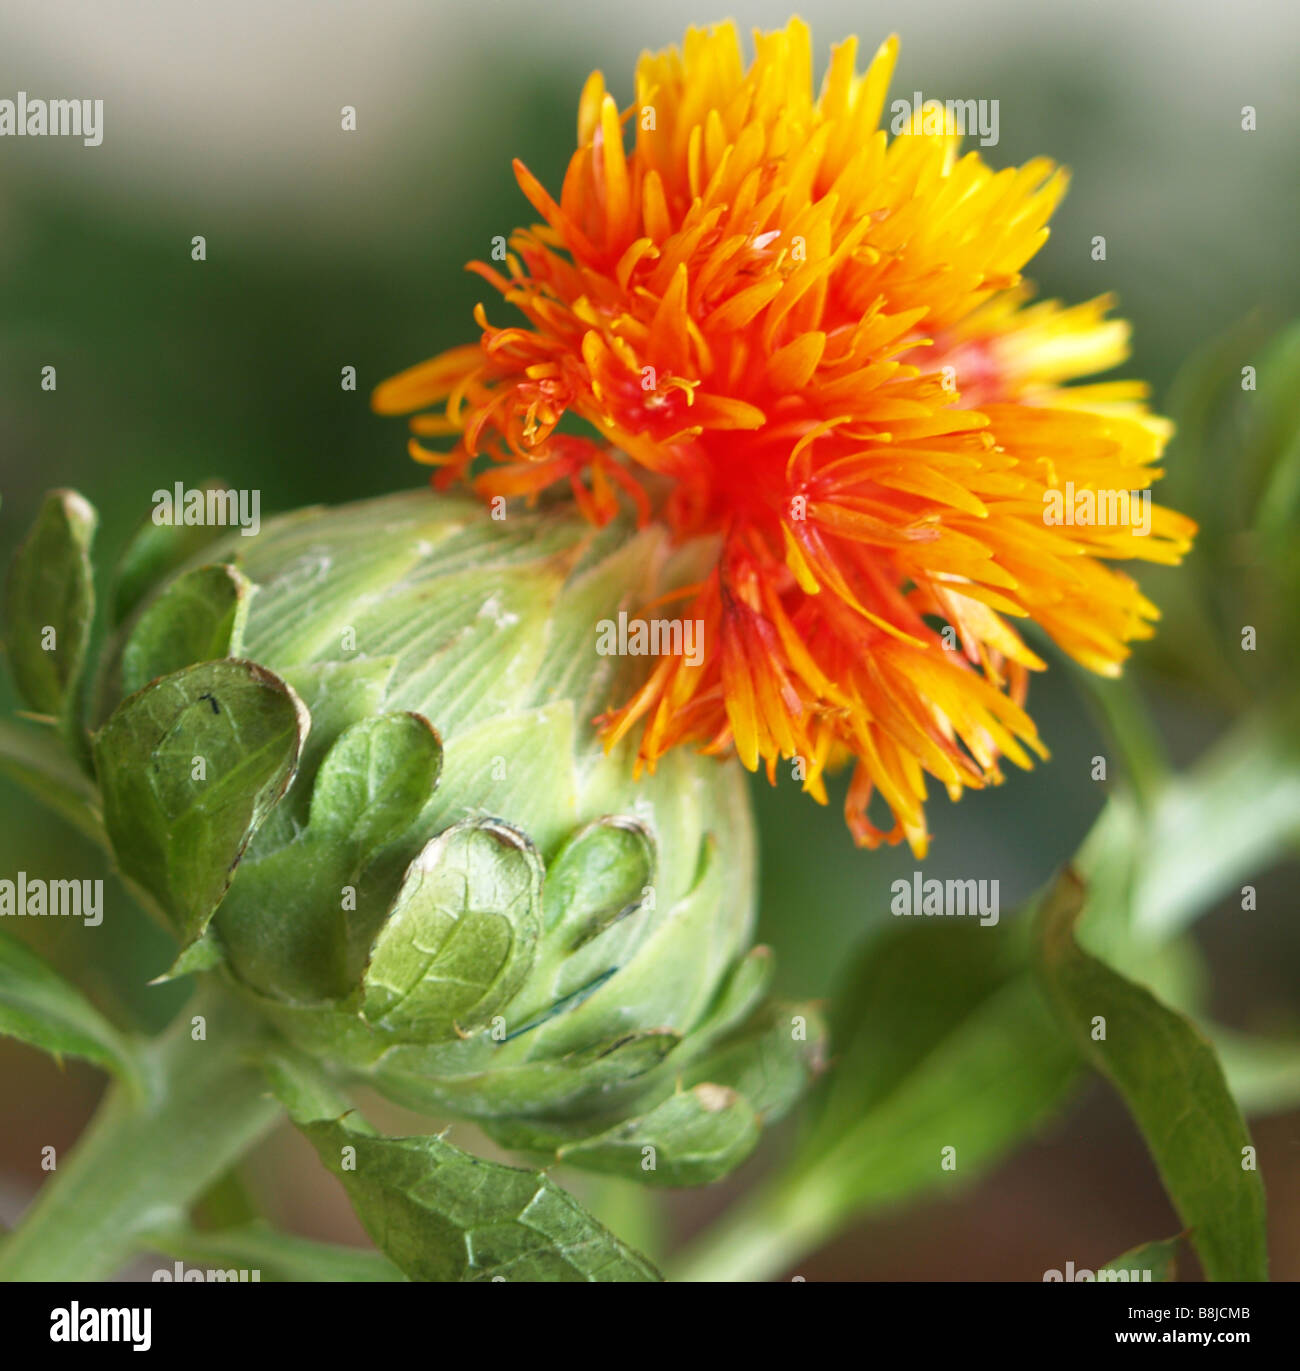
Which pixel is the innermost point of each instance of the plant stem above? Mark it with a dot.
(1130, 729)
(1233, 815)
(31, 757)
(765, 1234)
(630, 1211)
(141, 1163)
(1235, 812)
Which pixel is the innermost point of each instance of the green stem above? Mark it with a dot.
(766, 1234)
(1235, 814)
(141, 1163)
(1130, 729)
(33, 758)
(631, 1211)
(36, 762)
(1237, 811)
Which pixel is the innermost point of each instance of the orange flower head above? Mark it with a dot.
(781, 327)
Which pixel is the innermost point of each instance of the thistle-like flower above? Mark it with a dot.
(372, 767)
(779, 328)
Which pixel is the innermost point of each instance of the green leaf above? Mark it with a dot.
(205, 953)
(39, 1007)
(374, 782)
(256, 1247)
(1152, 1261)
(199, 617)
(742, 992)
(299, 922)
(672, 955)
(461, 935)
(188, 768)
(307, 1091)
(443, 1215)
(597, 879)
(1173, 1085)
(337, 695)
(771, 1060)
(709, 1118)
(693, 1137)
(944, 1056)
(595, 915)
(155, 550)
(940, 1039)
(50, 605)
(577, 1082)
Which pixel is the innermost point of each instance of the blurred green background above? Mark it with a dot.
(328, 249)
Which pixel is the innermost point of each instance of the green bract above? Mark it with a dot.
(351, 763)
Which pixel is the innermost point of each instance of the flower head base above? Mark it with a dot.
(350, 765)
(782, 328)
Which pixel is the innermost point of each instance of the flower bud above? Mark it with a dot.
(352, 762)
